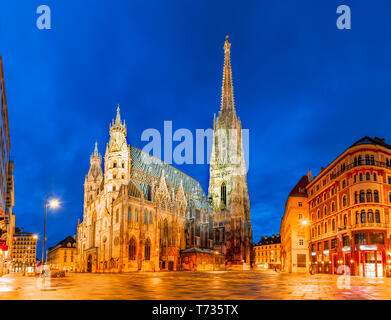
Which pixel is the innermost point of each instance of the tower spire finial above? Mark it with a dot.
(118, 118)
(227, 96)
(96, 153)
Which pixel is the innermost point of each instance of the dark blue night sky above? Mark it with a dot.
(304, 89)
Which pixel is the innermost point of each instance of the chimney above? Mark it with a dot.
(309, 175)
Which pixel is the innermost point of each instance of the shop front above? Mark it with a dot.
(370, 254)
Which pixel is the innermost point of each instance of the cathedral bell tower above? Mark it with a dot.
(228, 179)
(117, 158)
(94, 177)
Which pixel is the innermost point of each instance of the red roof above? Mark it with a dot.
(299, 189)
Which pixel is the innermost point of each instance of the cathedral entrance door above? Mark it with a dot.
(89, 264)
(170, 265)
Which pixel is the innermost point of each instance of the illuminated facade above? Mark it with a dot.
(139, 213)
(228, 182)
(24, 251)
(350, 202)
(295, 229)
(143, 214)
(267, 253)
(63, 255)
(7, 218)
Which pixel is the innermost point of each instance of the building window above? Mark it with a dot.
(333, 206)
(372, 160)
(145, 218)
(389, 195)
(150, 218)
(344, 201)
(376, 196)
(367, 176)
(132, 249)
(343, 184)
(361, 178)
(357, 217)
(114, 164)
(300, 216)
(370, 216)
(374, 177)
(223, 194)
(301, 242)
(326, 245)
(366, 159)
(377, 216)
(117, 216)
(362, 196)
(325, 227)
(345, 220)
(360, 238)
(147, 250)
(359, 161)
(300, 204)
(363, 217)
(333, 224)
(136, 216)
(346, 241)
(389, 180)
(369, 196)
(334, 243)
(376, 238)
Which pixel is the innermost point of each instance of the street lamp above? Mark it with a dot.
(53, 204)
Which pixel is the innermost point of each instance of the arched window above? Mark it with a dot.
(150, 218)
(377, 216)
(362, 196)
(114, 164)
(333, 224)
(145, 217)
(357, 217)
(123, 164)
(325, 227)
(318, 229)
(361, 177)
(345, 220)
(372, 160)
(363, 217)
(374, 177)
(355, 161)
(344, 201)
(223, 193)
(366, 159)
(325, 211)
(389, 196)
(376, 196)
(356, 197)
(359, 161)
(343, 184)
(132, 249)
(147, 251)
(367, 176)
(370, 216)
(318, 214)
(369, 196)
(387, 163)
(333, 206)
(136, 216)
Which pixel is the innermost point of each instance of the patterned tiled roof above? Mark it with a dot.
(147, 169)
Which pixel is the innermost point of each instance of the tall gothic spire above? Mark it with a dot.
(227, 95)
(118, 118)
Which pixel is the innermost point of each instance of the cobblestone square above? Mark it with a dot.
(192, 285)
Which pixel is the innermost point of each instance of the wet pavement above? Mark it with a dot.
(191, 285)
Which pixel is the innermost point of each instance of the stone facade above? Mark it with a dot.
(143, 214)
(228, 182)
(62, 256)
(295, 235)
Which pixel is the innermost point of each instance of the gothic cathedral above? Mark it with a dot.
(142, 214)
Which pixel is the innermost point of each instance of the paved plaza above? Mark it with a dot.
(191, 285)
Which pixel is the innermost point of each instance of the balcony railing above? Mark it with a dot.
(358, 164)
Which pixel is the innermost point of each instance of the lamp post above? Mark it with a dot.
(53, 203)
